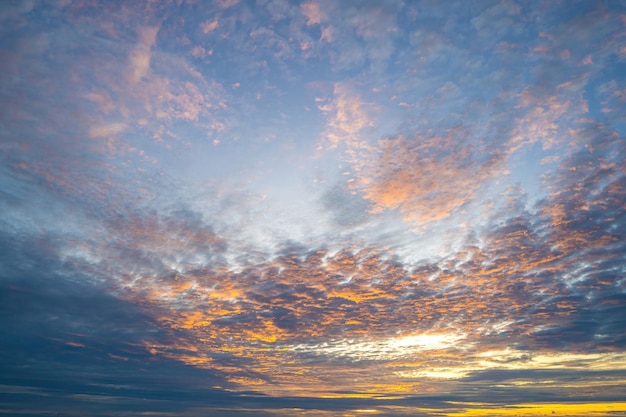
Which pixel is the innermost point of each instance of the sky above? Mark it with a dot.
(312, 208)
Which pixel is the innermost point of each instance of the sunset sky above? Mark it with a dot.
(312, 208)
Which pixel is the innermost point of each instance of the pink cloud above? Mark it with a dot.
(348, 116)
(225, 4)
(209, 26)
(311, 10)
(106, 130)
(139, 59)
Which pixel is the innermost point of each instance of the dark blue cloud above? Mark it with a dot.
(66, 343)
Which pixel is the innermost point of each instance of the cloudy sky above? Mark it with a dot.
(317, 208)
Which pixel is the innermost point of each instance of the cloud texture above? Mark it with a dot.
(312, 208)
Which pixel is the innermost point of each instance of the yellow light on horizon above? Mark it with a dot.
(543, 409)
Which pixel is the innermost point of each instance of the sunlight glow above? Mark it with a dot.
(558, 409)
(425, 341)
(395, 347)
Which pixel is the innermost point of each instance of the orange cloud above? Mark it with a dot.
(427, 179)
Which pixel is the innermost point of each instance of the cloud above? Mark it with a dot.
(340, 295)
(139, 58)
(225, 4)
(408, 176)
(66, 341)
(129, 255)
(209, 26)
(105, 131)
(348, 117)
(311, 10)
